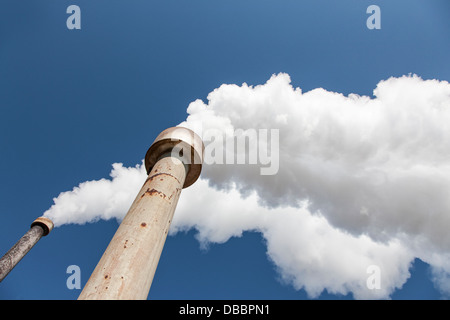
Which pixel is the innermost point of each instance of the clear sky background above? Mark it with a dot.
(72, 102)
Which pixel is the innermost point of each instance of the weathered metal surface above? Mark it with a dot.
(45, 223)
(174, 140)
(39, 228)
(127, 267)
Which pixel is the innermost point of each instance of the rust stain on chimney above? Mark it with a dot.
(153, 191)
(161, 174)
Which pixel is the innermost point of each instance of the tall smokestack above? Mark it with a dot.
(39, 228)
(127, 267)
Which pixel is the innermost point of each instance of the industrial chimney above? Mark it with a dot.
(127, 267)
(39, 228)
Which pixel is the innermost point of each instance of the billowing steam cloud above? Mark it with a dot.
(99, 199)
(361, 183)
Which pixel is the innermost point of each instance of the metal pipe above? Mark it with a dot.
(127, 267)
(39, 228)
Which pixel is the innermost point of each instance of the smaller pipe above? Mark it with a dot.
(39, 228)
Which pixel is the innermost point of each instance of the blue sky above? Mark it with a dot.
(72, 102)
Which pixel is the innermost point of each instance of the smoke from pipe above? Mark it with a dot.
(358, 182)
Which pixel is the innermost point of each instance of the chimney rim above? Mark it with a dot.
(182, 138)
(45, 223)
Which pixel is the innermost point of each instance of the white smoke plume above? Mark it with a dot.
(361, 182)
(98, 199)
